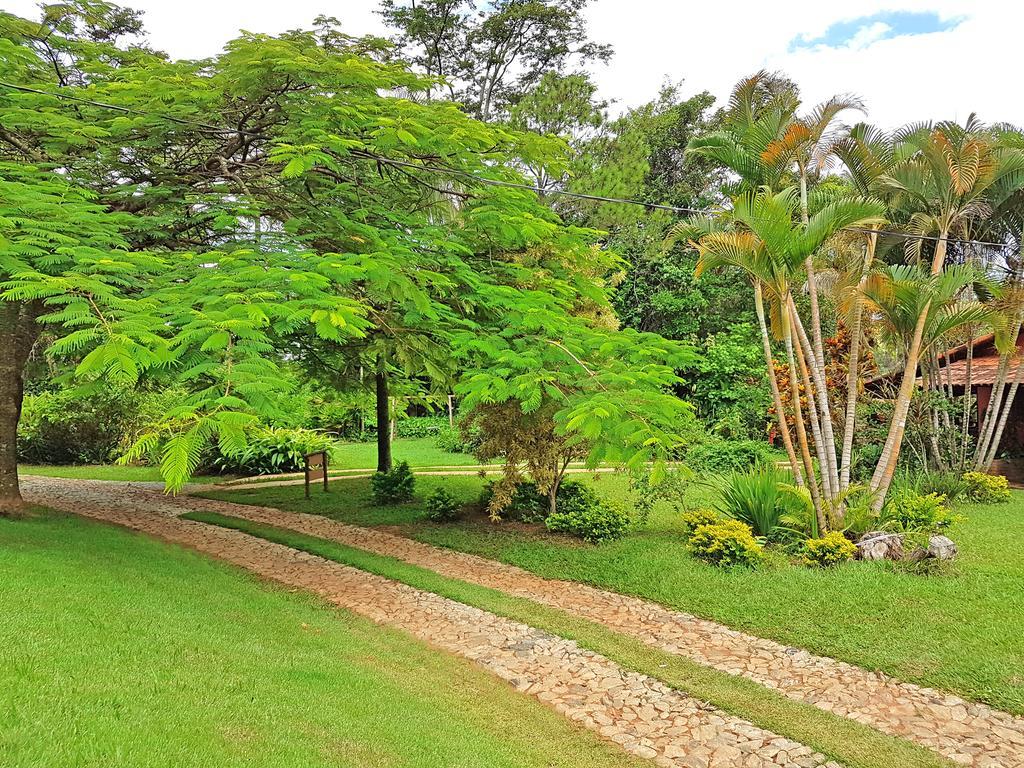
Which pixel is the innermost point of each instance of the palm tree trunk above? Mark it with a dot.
(886, 468)
(831, 468)
(852, 391)
(803, 351)
(821, 413)
(994, 411)
(801, 431)
(933, 433)
(780, 411)
(965, 418)
(991, 413)
(853, 371)
(1003, 418)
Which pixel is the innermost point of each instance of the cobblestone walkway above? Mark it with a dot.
(966, 732)
(641, 714)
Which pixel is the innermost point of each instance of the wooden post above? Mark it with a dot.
(316, 468)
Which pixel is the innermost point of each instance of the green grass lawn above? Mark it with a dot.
(957, 630)
(120, 651)
(105, 472)
(419, 452)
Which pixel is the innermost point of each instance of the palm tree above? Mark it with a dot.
(940, 180)
(806, 146)
(771, 244)
(867, 153)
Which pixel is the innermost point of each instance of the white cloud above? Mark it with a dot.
(867, 35)
(710, 45)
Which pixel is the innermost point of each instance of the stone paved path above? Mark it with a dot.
(643, 715)
(968, 733)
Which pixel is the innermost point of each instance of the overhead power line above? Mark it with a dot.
(708, 212)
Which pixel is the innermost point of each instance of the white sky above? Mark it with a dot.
(710, 45)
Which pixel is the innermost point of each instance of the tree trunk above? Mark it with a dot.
(987, 445)
(988, 424)
(965, 420)
(780, 411)
(886, 468)
(852, 387)
(383, 423)
(18, 334)
(820, 411)
(817, 362)
(1003, 418)
(802, 353)
(801, 431)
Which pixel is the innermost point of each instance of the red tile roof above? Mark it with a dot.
(983, 371)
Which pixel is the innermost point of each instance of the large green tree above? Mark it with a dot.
(489, 54)
(223, 213)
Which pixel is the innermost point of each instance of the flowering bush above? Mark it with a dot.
(726, 543)
(987, 489)
(831, 549)
(693, 518)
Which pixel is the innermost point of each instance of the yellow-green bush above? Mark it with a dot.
(693, 518)
(831, 549)
(987, 489)
(726, 543)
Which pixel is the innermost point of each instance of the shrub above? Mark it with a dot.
(442, 506)
(859, 517)
(910, 512)
(448, 439)
(766, 499)
(393, 487)
(693, 518)
(727, 543)
(670, 490)
(831, 549)
(949, 484)
(84, 428)
(527, 505)
(270, 450)
(987, 489)
(421, 426)
(728, 455)
(590, 519)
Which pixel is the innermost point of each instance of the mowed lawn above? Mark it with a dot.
(958, 630)
(418, 451)
(117, 650)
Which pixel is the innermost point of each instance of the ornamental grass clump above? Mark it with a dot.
(766, 499)
(726, 544)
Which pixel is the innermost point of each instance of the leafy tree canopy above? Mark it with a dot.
(224, 212)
